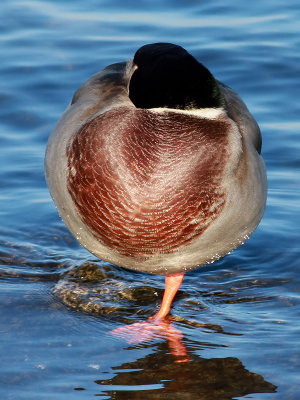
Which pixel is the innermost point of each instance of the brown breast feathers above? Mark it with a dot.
(146, 182)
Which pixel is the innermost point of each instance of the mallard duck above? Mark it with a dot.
(155, 166)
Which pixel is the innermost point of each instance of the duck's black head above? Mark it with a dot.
(168, 76)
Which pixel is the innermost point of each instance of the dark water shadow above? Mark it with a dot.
(156, 376)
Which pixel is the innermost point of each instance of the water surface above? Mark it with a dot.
(240, 316)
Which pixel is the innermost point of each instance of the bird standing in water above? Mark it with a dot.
(155, 166)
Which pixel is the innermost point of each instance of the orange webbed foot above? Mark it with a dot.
(158, 326)
(154, 328)
(147, 330)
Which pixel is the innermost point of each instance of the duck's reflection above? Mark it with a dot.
(156, 376)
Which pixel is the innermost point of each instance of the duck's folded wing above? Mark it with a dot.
(238, 112)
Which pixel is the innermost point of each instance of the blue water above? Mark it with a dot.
(240, 316)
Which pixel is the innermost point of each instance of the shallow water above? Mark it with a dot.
(240, 316)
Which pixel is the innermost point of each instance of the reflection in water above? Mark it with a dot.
(102, 291)
(155, 329)
(111, 292)
(203, 379)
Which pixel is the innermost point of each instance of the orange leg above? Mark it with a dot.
(158, 326)
(173, 283)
